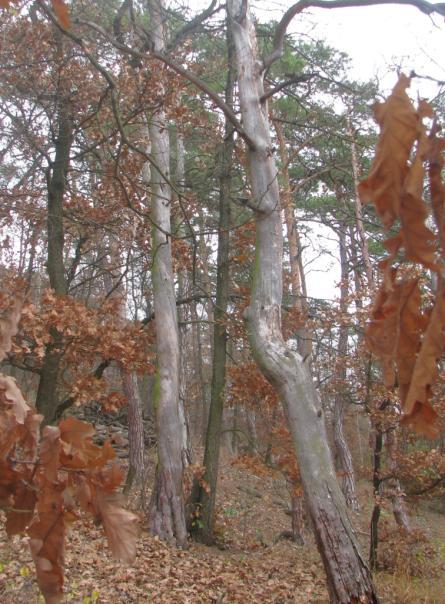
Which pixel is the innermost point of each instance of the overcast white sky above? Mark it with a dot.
(375, 37)
(378, 39)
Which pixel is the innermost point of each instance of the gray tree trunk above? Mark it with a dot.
(349, 579)
(167, 510)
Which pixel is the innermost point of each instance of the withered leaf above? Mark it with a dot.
(399, 126)
(121, 526)
(9, 328)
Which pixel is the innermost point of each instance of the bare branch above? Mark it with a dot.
(193, 25)
(280, 32)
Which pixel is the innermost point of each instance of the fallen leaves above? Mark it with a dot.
(45, 477)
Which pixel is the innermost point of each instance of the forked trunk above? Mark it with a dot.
(349, 579)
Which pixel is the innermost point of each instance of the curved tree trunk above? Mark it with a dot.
(167, 510)
(349, 579)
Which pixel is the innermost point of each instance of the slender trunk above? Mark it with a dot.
(135, 430)
(297, 514)
(376, 482)
(349, 579)
(358, 208)
(167, 510)
(343, 453)
(182, 290)
(204, 499)
(298, 282)
(47, 393)
(130, 387)
(395, 490)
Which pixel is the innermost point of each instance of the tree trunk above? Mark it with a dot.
(376, 482)
(343, 454)
(349, 579)
(167, 510)
(136, 443)
(358, 208)
(47, 398)
(393, 485)
(203, 502)
(297, 514)
(298, 282)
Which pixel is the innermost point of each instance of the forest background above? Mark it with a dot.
(152, 161)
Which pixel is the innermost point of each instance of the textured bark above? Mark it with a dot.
(342, 451)
(348, 576)
(396, 492)
(47, 398)
(203, 500)
(135, 430)
(297, 514)
(167, 510)
(376, 482)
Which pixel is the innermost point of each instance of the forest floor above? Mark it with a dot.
(250, 565)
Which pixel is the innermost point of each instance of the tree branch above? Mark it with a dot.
(280, 32)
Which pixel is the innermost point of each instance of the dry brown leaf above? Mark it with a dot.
(47, 535)
(79, 451)
(23, 509)
(399, 127)
(426, 367)
(8, 328)
(47, 530)
(418, 239)
(437, 186)
(62, 13)
(121, 526)
(12, 398)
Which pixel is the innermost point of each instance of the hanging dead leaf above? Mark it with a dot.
(79, 451)
(121, 526)
(13, 399)
(399, 126)
(62, 13)
(8, 328)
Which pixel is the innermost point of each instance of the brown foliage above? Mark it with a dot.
(60, 9)
(408, 338)
(44, 478)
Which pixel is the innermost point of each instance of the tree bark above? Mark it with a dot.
(343, 454)
(167, 510)
(47, 398)
(396, 492)
(203, 503)
(136, 443)
(349, 579)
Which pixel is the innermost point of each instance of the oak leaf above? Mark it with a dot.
(399, 126)
(121, 526)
